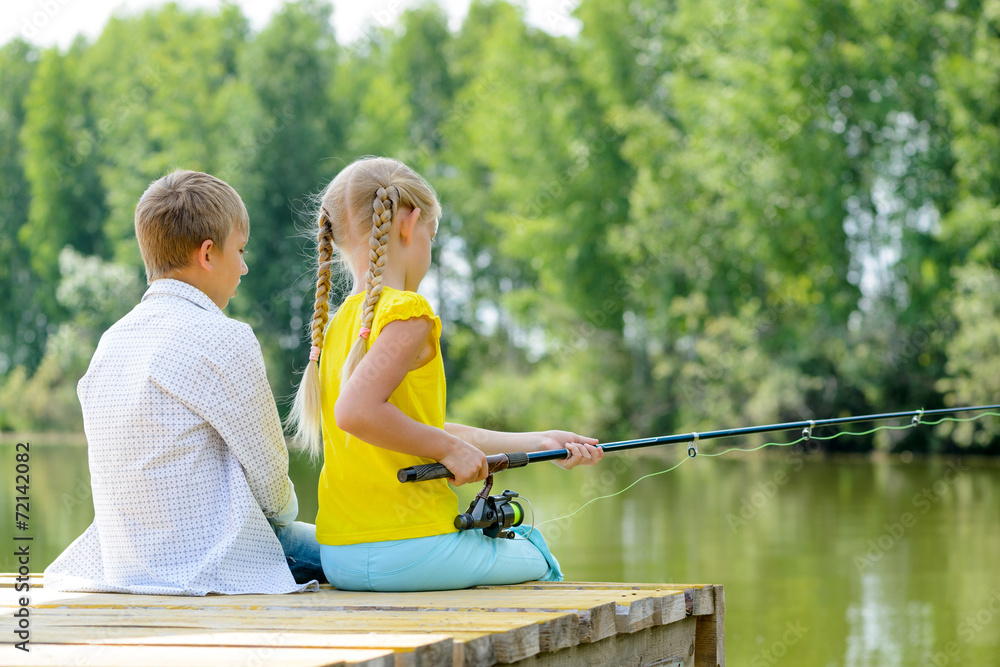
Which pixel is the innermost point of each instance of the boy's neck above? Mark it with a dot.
(197, 279)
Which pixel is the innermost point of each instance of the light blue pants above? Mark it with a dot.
(440, 562)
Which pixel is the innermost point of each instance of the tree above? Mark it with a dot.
(967, 77)
(60, 163)
(164, 90)
(285, 156)
(22, 318)
(538, 188)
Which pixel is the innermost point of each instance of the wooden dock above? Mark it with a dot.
(534, 624)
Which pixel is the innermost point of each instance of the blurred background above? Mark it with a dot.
(659, 216)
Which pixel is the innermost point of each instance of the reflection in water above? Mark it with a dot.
(828, 563)
(882, 628)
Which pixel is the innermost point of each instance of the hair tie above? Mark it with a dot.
(314, 353)
(363, 332)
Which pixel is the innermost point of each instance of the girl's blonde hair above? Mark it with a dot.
(357, 209)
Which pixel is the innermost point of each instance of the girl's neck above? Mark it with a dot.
(389, 279)
(394, 274)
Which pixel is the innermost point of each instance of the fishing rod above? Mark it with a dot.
(488, 512)
(500, 462)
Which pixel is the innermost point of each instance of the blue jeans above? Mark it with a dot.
(298, 541)
(440, 562)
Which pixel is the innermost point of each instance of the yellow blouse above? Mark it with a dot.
(360, 499)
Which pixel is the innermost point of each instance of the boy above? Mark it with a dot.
(187, 460)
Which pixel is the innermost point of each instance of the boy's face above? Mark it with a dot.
(228, 267)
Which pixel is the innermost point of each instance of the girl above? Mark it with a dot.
(377, 395)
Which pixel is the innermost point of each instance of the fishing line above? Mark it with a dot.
(917, 421)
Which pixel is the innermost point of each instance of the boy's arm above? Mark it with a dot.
(247, 419)
(286, 515)
(582, 450)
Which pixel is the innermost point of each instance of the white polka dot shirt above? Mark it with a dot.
(187, 458)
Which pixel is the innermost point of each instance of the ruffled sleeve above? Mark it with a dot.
(398, 305)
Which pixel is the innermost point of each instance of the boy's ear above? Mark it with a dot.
(407, 222)
(203, 255)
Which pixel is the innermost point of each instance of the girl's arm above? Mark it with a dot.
(363, 408)
(582, 449)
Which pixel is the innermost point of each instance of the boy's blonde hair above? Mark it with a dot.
(178, 212)
(357, 209)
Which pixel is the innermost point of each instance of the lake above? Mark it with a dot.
(825, 562)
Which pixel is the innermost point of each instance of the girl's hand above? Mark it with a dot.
(466, 463)
(582, 450)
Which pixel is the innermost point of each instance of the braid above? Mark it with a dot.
(321, 311)
(378, 244)
(305, 416)
(384, 206)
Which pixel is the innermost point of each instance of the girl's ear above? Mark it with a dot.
(407, 222)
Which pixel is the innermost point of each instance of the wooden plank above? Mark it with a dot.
(473, 652)
(673, 602)
(342, 600)
(635, 609)
(8, 580)
(710, 639)
(636, 614)
(607, 585)
(670, 609)
(486, 625)
(595, 609)
(429, 649)
(702, 600)
(480, 638)
(69, 631)
(148, 636)
(398, 621)
(59, 655)
(598, 622)
(559, 634)
(699, 598)
(659, 645)
(516, 644)
(473, 649)
(91, 629)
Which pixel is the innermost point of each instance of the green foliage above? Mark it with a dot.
(95, 294)
(23, 315)
(974, 354)
(690, 215)
(164, 93)
(60, 163)
(284, 139)
(551, 394)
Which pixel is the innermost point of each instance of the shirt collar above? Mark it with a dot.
(181, 289)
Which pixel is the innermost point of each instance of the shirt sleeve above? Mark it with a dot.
(251, 428)
(287, 514)
(405, 306)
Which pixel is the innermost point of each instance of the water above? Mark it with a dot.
(824, 563)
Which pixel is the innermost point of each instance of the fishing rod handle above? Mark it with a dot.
(428, 471)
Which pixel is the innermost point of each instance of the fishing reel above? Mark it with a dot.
(494, 514)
